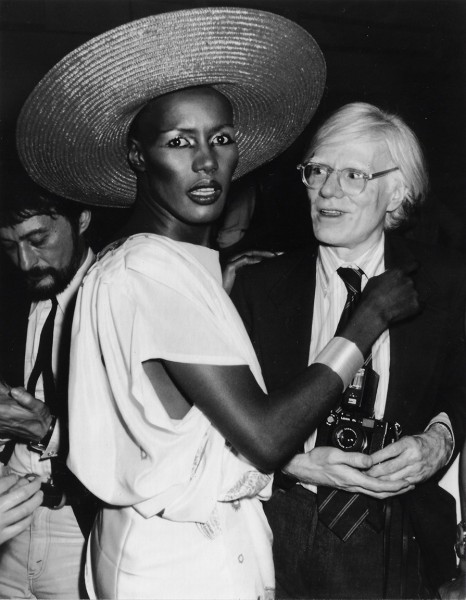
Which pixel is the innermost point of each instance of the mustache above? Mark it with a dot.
(37, 272)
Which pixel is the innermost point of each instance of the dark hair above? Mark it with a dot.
(22, 199)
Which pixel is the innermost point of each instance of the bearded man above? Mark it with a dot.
(42, 235)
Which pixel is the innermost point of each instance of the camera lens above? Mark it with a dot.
(349, 438)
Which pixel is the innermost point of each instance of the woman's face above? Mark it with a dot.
(184, 150)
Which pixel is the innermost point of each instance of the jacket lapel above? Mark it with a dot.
(292, 299)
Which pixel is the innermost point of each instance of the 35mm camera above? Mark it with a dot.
(352, 427)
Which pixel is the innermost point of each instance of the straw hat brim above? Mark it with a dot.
(72, 130)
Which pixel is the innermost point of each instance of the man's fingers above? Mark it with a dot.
(22, 397)
(19, 517)
(4, 387)
(6, 533)
(7, 482)
(378, 488)
(389, 452)
(357, 460)
(20, 492)
(386, 493)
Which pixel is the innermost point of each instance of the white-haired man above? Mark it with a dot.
(364, 173)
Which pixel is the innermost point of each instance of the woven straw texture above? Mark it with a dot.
(72, 130)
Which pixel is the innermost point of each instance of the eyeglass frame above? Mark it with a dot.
(367, 177)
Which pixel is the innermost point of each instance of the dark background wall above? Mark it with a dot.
(404, 55)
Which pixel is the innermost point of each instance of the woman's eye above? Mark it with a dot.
(178, 142)
(222, 139)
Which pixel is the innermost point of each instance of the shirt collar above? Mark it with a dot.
(371, 262)
(65, 297)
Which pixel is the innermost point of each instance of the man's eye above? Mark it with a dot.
(354, 175)
(38, 242)
(317, 170)
(178, 142)
(222, 139)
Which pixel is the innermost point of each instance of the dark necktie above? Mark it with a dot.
(352, 280)
(342, 511)
(43, 364)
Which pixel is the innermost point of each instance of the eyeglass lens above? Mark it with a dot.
(350, 181)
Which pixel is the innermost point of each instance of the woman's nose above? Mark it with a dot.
(205, 159)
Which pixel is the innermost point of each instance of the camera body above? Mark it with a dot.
(352, 427)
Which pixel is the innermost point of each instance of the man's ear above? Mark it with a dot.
(84, 220)
(398, 194)
(136, 156)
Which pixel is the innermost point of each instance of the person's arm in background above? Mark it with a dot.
(456, 589)
(19, 498)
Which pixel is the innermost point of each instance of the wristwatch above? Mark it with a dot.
(41, 445)
(460, 545)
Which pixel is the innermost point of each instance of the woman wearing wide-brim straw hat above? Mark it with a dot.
(163, 112)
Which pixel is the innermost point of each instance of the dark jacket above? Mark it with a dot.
(427, 360)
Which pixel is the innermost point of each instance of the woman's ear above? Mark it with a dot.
(84, 220)
(136, 156)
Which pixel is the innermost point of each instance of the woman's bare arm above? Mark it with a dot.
(269, 429)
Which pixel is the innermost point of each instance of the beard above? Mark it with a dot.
(44, 283)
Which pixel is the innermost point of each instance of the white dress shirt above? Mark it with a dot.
(24, 461)
(329, 300)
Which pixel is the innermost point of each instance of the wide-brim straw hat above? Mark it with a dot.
(72, 130)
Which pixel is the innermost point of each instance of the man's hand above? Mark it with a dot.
(413, 458)
(237, 261)
(22, 416)
(334, 468)
(18, 500)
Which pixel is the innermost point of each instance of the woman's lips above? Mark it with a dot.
(205, 193)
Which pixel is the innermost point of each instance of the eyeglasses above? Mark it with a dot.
(351, 181)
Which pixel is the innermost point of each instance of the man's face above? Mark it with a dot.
(47, 250)
(353, 224)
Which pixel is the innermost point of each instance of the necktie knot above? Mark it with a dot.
(352, 278)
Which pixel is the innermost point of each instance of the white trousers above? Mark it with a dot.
(46, 560)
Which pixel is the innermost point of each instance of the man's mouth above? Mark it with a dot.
(36, 275)
(330, 212)
(205, 193)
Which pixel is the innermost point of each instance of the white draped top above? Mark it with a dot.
(153, 298)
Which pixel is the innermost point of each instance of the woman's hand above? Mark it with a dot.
(237, 261)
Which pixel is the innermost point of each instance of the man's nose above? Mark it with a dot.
(205, 159)
(27, 258)
(331, 187)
